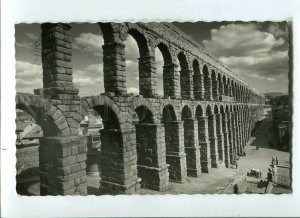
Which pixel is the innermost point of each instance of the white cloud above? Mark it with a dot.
(89, 80)
(131, 49)
(133, 90)
(89, 42)
(250, 51)
(240, 40)
(28, 76)
(32, 36)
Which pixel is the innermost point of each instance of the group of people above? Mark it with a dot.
(275, 160)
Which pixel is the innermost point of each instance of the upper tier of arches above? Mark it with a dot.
(188, 72)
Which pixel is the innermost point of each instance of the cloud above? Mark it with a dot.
(133, 90)
(89, 80)
(28, 76)
(278, 32)
(89, 42)
(240, 40)
(32, 36)
(131, 49)
(251, 51)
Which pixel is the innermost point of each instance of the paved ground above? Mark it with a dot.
(219, 180)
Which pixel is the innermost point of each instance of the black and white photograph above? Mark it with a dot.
(152, 108)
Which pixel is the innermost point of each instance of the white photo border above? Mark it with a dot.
(31, 11)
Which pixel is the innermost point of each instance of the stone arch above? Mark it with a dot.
(169, 113)
(48, 117)
(147, 138)
(207, 83)
(186, 113)
(169, 77)
(113, 58)
(225, 134)
(232, 88)
(212, 135)
(229, 87)
(106, 108)
(198, 81)
(227, 109)
(108, 30)
(143, 103)
(199, 111)
(216, 109)
(185, 77)
(219, 132)
(174, 145)
(225, 85)
(208, 111)
(141, 41)
(144, 114)
(220, 85)
(222, 109)
(215, 85)
(203, 138)
(191, 147)
(145, 62)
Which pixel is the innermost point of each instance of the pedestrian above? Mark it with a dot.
(273, 160)
(270, 175)
(276, 160)
(236, 165)
(244, 153)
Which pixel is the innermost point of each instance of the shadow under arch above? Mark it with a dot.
(191, 146)
(148, 150)
(207, 83)
(212, 136)
(174, 145)
(198, 81)
(184, 76)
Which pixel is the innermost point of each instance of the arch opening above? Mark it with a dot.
(87, 58)
(164, 74)
(215, 86)
(184, 76)
(198, 81)
(28, 134)
(207, 84)
(146, 141)
(132, 71)
(212, 136)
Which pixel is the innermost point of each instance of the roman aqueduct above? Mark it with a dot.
(147, 140)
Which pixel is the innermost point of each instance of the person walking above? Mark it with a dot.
(236, 165)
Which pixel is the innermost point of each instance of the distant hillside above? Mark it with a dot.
(274, 94)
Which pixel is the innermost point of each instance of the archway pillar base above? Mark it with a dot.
(191, 147)
(177, 167)
(151, 159)
(118, 162)
(213, 152)
(205, 157)
(155, 178)
(62, 166)
(176, 157)
(193, 161)
(226, 149)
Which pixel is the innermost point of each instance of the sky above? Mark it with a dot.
(256, 51)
